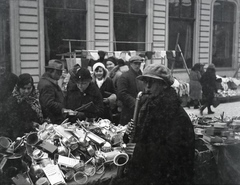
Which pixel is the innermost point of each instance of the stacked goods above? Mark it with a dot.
(64, 153)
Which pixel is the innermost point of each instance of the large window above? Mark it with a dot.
(181, 27)
(129, 24)
(64, 19)
(5, 56)
(223, 24)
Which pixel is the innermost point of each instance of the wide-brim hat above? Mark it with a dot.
(55, 64)
(158, 72)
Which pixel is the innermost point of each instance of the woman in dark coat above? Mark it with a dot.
(106, 87)
(23, 109)
(164, 135)
(81, 91)
(209, 87)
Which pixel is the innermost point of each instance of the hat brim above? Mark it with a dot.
(142, 77)
(47, 67)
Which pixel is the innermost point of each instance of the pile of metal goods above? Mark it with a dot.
(59, 154)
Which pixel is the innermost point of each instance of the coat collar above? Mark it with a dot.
(47, 76)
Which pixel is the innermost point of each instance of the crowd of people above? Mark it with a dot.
(161, 149)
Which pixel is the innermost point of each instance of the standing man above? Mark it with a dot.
(51, 96)
(128, 87)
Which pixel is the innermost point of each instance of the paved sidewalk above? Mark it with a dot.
(230, 109)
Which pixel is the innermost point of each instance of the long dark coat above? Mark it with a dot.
(75, 98)
(209, 87)
(51, 99)
(164, 152)
(106, 90)
(127, 89)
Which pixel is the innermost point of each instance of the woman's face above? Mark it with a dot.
(110, 65)
(99, 73)
(26, 90)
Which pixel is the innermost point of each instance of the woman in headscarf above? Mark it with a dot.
(105, 84)
(23, 109)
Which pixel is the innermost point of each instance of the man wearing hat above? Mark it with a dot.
(81, 91)
(128, 88)
(51, 96)
(164, 135)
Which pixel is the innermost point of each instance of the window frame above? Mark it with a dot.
(129, 14)
(194, 20)
(235, 30)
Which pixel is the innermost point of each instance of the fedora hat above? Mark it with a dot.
(55, 64)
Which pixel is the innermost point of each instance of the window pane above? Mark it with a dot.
(222, 44)
(5, 34)
(187, 8)
(54, 3)
(76, 4)
(174, 8)
(185, 30)
(228, 12)
(217, 11)
(63, 24)
(121, 6)
(129, 28)
(138, 6)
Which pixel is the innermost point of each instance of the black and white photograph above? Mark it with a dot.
(119, 92)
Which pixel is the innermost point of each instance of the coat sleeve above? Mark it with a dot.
(47, 99)
(123, 92)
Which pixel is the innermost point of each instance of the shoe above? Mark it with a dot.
(210, 112)
(201, 111)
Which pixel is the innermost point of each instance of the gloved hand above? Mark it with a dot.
(130, 127)
(130, 148)
(81, 115)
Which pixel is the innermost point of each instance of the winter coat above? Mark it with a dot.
(75, 98)
(164, 151)
(20, 117)
(209, 87)
(51, 99)
(108, 91)
(116, 72)
(127, 89)
(195, 85)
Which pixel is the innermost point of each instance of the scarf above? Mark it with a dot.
(99, 83)
(32, 100)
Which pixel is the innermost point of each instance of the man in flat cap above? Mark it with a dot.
(128, 87)
(164, 135)
(51, 96)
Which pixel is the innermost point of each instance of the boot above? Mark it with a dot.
(196, 104)
(201, 109)
(209, 110)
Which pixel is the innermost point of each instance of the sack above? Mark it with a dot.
(215, 101)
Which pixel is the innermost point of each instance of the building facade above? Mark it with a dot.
(207, 31)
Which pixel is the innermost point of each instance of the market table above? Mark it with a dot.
(217, 163)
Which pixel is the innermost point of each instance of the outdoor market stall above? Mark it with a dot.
(70, 153)
(217, 150)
